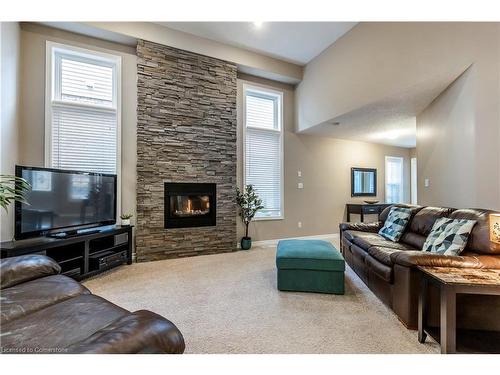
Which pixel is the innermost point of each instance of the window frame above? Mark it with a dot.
(401, 191)
(278, 96)
(51, 98)
(413, 180)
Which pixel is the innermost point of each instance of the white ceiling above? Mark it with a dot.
(390, 120)
(295, 42)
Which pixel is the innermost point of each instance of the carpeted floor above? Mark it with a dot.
(228, 303)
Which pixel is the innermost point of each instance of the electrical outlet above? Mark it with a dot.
(300, 185)
(299, 224)
(299, 173)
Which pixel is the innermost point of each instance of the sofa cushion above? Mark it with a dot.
(350, 234)
(424, 219)
(366, 240)
(414, 240)
(365, 227)
(26, 298)
(382, 254)
(464, 260)
(479, 239)
(380, 269)
(385, 212)
(55, 327)
(449, 236)
(396, 223)
(24, 268)
(134, 333)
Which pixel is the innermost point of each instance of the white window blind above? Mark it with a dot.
(83, 111)
(263, 149)
(393, 179)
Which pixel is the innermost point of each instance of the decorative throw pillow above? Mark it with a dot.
(395, 224)
(448, 236)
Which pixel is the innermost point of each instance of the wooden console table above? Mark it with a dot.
(452, 281)
(365, 209)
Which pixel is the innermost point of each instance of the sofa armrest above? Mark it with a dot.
(139, 332)
(423, 258)
(363, 227)
(17, 270)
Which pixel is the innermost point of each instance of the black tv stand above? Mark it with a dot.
(80, 255)
(75, 233)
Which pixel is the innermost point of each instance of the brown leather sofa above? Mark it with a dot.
(389, 268)
(45, 312)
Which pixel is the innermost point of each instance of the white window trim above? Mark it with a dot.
(50, 49)
(279, 94)
(401, 191)
(413, 180)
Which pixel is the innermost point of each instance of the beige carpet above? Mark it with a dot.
(228, 303)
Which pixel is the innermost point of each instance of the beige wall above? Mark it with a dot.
(378, 60)
(325, 164)
(31, 147)
(10, 38)
(458, 138)
(446, 150)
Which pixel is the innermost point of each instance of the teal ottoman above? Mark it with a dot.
(310, 266)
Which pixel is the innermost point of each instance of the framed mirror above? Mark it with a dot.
(363, 182)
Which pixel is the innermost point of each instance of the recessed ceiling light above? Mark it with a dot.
(258, 24)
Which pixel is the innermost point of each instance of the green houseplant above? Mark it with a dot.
(12, 189)
(249, 203)
(125, 219)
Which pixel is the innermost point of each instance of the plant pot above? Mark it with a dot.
(125, 222)
(246, 243)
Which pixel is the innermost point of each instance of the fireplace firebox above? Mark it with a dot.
(190, 205)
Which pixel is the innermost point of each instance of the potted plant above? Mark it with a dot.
(249, 203)
(12, 188)
(125, 219)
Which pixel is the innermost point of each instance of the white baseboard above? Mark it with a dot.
(275, 242)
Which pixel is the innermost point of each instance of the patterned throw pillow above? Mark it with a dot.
(448, 236)
(395, 224)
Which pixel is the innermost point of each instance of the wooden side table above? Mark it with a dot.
(452, 281)
(365, 209)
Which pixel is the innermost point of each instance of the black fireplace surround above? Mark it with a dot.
(190, 205)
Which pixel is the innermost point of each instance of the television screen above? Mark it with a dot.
(61, 199)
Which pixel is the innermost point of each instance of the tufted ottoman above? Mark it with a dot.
(310, 266)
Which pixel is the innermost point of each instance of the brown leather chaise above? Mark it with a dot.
(45, 312)
(389, 268)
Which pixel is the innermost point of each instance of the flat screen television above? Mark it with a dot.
(64, 201)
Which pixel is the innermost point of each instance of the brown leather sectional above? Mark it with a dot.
(389, 268)
(45, 312)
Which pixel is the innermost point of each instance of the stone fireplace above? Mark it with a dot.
(190, 205)
(186, 132)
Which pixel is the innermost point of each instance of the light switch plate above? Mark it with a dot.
(426, 182)
(299, 173)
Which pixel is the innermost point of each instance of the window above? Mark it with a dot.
(393, 179)
(82, 109)
(413, 180)
(263, 148)
(80, 186)
(41, 181)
